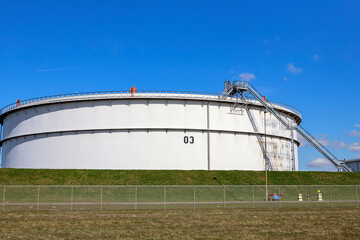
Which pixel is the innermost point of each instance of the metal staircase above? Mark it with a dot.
(253, 123)
(242, 86)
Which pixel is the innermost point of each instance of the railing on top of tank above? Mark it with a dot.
(78, 96)
(293, 109)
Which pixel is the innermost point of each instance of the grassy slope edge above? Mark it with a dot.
(170, 177)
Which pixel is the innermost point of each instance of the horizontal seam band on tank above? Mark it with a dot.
(152, 129)
(39, 103)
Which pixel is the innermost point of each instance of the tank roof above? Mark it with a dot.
(142, 94)
(353, 160)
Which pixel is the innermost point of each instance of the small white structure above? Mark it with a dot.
(146, 130)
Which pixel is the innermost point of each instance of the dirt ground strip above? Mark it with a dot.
(324, 223)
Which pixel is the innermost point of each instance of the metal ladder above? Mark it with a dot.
(253, 123)
(241, 86)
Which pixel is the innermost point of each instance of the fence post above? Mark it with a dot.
(72, 198)
(357, 196)
(4, 199)
(253, 197)
(164, 197)
(38, 199)
(224, 196)
(135, 198)
(279, 198)
(307, 200)
(194, 198)
(331, 196)
(101, 198)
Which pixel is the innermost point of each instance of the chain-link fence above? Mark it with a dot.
(77, 198)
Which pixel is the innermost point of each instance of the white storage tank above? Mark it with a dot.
(146, 130)
(354, 164)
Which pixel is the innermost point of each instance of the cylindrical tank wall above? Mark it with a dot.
(143, 134)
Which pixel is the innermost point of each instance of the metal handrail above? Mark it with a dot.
(245, 86)
(314, 139)
(126, 92)
(293, 109)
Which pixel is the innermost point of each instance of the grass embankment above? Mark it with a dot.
(167, 177)
(327, 223)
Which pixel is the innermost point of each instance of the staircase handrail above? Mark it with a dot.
(242, 85)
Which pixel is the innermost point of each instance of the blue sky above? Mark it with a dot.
(305, 54)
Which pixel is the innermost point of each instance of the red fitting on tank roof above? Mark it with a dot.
(133, 90)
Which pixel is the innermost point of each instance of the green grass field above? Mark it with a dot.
(244, 216)
(164, 177)
(325, 223)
